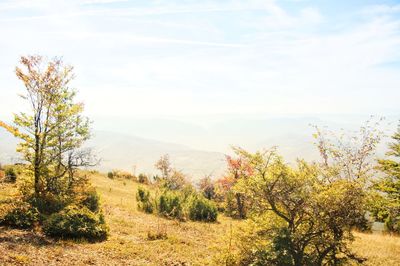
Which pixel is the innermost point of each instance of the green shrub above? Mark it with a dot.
(170, 205)
(75, 222)
(110, 175)
(143, 200)
(48, 203)
(11, 175)
(22, 216)
(393, 224)
(142, 178)
(91, 200)
(201, 209)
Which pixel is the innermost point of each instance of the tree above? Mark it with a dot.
(207, 187)
(236, 200)
(53, 131)
(304, 214)
(171, 178)
(297, 216)
(348, 155)
(164, 165)
(387, 202)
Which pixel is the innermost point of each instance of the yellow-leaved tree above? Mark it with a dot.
(52, 132)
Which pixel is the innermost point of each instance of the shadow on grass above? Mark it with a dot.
(18, 236)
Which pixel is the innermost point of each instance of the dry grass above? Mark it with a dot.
(378, 249)
(188, 243)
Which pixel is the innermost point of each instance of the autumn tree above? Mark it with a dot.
(171, 178)
(207, 187)
(53, 131)
(235, 201)
(164, 166)
(349, 155)
(303, 214)
(296, 215)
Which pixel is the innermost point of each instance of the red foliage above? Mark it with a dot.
(238, 167)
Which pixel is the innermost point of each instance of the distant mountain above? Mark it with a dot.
(134, 154)
(119, 151)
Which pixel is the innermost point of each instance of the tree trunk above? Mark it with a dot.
(36, 165)
(240, 206)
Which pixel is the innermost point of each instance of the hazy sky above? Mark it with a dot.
(155, 58)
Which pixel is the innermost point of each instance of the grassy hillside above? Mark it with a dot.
(187, 243)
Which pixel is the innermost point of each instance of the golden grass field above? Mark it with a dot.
(187, 243)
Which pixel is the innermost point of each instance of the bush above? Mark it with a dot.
(362, 223)
(91, 200)
(170, 205)
(119, 174)
(110, 175)
(126, 175)
(48, 203)
(180, 205)
(201, 209)
(22, 216)
(393, 224)
(75, 222)
(11, 175)
(160, 233)
(143, 200)
(142, 178)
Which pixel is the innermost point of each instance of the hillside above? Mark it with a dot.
(130, 153)
(187, 243)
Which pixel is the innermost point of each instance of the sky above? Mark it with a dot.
(209, 58)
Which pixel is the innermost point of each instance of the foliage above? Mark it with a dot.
(304, 215)
(48, 203)
(349, 155)
(53, 132)
(10, 175)
(299, 216)
(171, 178)
(51, 137)
(119, 174)
(170, 205)
(224, 196)
(386, 203)
(143, 200)
(164, 166)
(235, 202)
(91, 200)
(143, 179)
(176, 181)
(182, 205)
(80, 193)
(207, 187)
(76, 222)
(21, 216)
(160, 233)
(201, 209)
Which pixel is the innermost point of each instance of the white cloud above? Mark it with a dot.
(381, 9)
(311, 15)
(209, 57)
